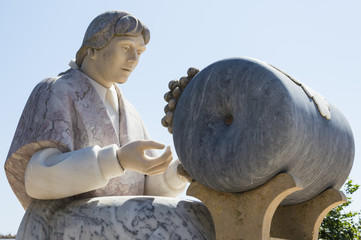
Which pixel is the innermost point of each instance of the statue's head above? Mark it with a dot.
(108, 25)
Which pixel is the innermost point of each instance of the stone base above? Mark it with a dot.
(153, 218)
(303, 221)
(257, 214)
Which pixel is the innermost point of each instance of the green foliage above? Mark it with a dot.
(340, 224)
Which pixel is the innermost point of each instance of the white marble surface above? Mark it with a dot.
(117, 218)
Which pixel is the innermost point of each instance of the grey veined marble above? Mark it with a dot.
(241, 121)
(125, 218)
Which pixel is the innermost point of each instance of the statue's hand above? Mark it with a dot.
(131, 156)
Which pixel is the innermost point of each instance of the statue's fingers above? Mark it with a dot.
(166, 158)
(160, 168)
(167, 152)
(156, 172)
(150, 144)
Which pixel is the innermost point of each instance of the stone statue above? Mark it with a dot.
(79, 138)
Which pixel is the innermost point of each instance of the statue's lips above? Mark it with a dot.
(127, 70)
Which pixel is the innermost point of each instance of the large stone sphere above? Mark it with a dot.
(240, 122)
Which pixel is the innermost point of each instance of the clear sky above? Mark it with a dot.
(317, 42)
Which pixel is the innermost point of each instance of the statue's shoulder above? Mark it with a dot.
(69, 82)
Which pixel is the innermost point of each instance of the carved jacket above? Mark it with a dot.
(67, 113)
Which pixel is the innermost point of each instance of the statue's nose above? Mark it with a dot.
(133, 57)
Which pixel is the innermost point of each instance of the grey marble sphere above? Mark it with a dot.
(241, 121)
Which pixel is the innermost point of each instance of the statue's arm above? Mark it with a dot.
(168, 184)
(51, 174)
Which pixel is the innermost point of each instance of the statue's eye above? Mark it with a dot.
(125, 47)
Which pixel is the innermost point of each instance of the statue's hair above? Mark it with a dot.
(131, 26)
(107, 25)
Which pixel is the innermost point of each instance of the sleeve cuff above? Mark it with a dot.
(173, 180)
(108, 162)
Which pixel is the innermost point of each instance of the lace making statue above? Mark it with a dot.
(78, 137)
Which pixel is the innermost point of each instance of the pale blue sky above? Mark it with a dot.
(317, 42)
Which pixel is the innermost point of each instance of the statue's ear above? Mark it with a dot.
(90, 52)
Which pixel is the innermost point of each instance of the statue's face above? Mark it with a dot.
(116, 61)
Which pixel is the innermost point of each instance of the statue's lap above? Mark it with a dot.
(128, 217)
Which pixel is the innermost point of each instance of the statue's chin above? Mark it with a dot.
(123, 78)
(122, 82)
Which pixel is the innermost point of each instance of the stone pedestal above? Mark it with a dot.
(257, 214)
(303, 221)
